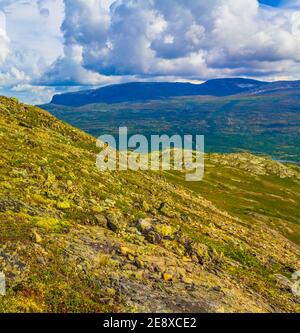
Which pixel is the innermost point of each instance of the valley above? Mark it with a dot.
(268, 124)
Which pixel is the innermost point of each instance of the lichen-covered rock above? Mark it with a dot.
(255, 164)
(166, 210)
(101, 221)
(144, 225)
(114, 224)
(167, 277)
(153, 237)
(36, 237)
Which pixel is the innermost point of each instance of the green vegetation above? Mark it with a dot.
(74, 239)
(260, 124)
(251, 188)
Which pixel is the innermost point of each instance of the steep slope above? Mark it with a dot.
(75, 239)
(142, 91)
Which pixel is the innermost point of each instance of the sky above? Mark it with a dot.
(54, 46)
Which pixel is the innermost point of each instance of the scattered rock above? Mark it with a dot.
(125, 251)
(185, 218)
(130, 254)
(113, 224)
(110, 203)
(9, 204)
(167, 277)
(97, 209)
(36, 237)
(216, 256)
(198, 252)
(41, 260)
(144, 225)
(166, 210)
(154, 231)
(255, 164)
(153, 237)
(101, 221)
(139, 263)
(166, 231)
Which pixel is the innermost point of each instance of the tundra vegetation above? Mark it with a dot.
(77, 239)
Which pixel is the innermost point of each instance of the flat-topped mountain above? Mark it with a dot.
(141, 91)
(145, 91)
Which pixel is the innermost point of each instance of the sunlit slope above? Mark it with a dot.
(74, 239)
(255, 189)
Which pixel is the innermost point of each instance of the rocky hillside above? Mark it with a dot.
(74, 239)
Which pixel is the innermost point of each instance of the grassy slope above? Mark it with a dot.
(59, 252)
(253, 189)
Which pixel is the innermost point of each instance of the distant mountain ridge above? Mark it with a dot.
(143, 91)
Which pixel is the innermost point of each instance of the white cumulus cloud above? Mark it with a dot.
(193, 38)
(4, 49)
(96, 42)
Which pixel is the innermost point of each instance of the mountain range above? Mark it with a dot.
(144, 91)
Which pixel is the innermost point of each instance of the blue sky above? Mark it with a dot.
(271, 2)
(50, 46)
